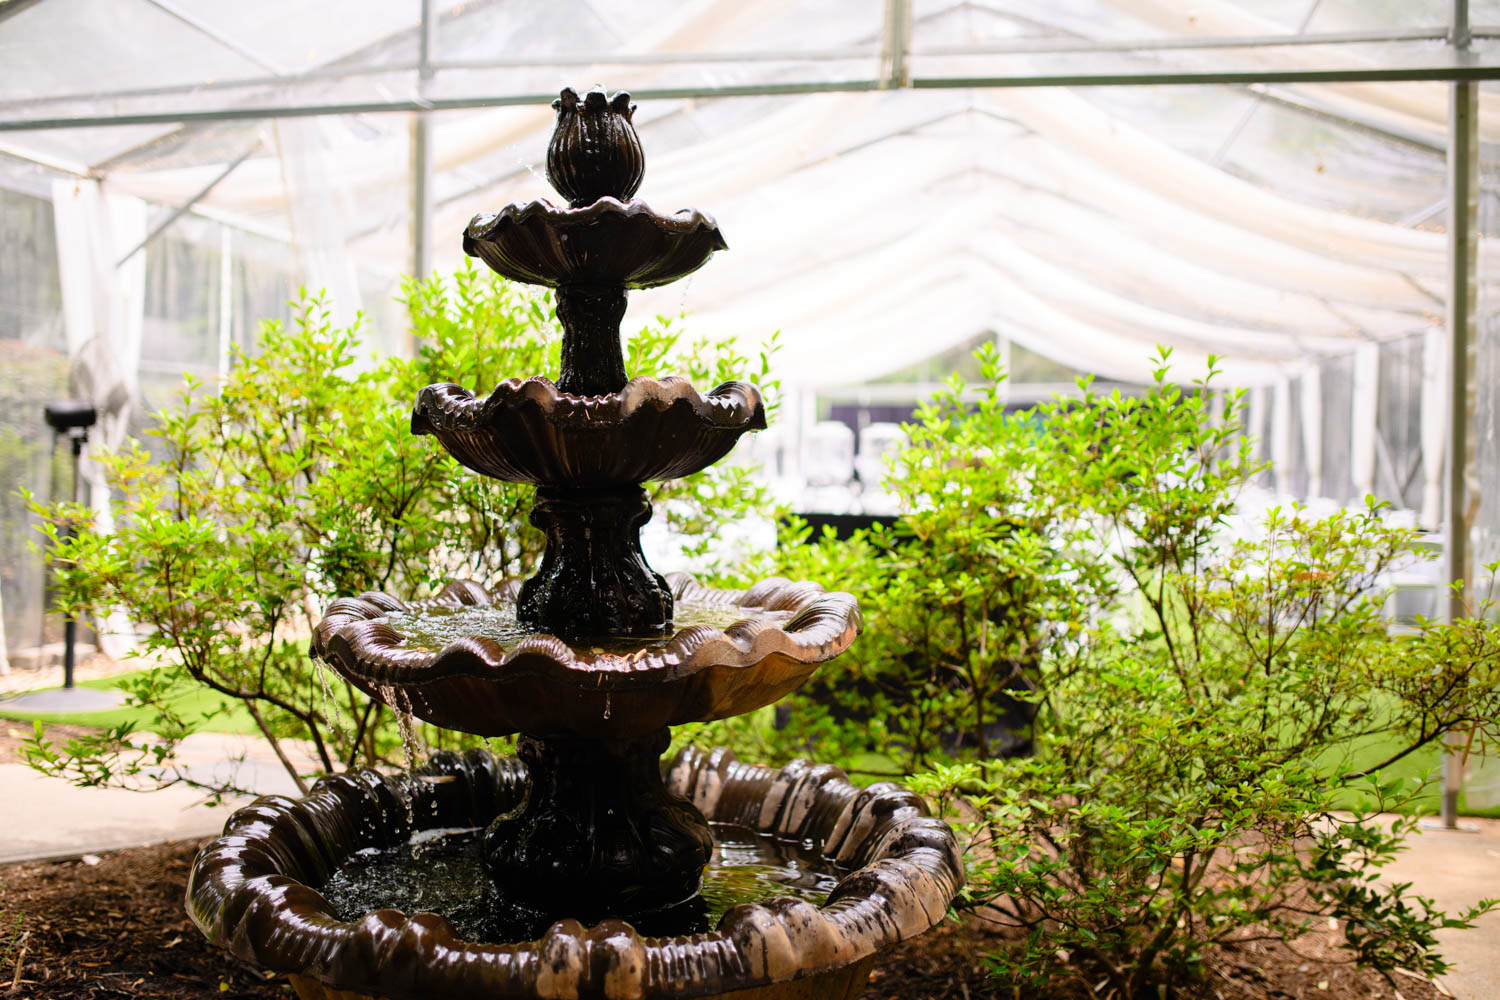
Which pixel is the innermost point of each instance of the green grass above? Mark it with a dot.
(193, 703)
(1423, 766)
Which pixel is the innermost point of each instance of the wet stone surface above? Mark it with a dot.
(435, 627)
(441, 871)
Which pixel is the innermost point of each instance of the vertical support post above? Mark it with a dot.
(1281, 437)
(1463, 211)
(421, 156)
(1310, 407)
(1365, 402)
(895, 72)
(226, 300)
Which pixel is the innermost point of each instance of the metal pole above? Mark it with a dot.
(70, 625)
(1463, 210)
(421, 157)
(1024, 46)
(895, 45)
(1404, 74)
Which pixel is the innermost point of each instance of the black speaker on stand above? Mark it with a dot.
(72, 418)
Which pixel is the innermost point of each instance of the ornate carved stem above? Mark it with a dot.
(598, 829)
(592, 361)
(594, 580)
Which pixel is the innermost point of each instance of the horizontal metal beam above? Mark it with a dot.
(1034, 46)
(1014, 47)
(662, 58)
(1436, 72)
(1408, 74)
(208, 86)
(418, 104)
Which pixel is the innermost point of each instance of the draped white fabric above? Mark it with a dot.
(102, 307)
(102, 292)
(1272, 228)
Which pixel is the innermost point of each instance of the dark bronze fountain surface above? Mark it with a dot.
(529, 431)
(591, 661)
(256, 890)
(594, 579)
(747, 649)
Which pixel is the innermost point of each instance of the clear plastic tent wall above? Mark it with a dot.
(1265, 181)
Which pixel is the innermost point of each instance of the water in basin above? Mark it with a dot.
(440, 871)
(434, 627)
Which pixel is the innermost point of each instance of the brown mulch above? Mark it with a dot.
(13, 734)
(115, 929)
(947, 964)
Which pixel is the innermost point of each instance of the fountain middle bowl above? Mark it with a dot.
(255, 891)
(754, 647)
(529, 431)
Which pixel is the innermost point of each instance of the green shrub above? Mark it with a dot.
(984, 572)
(296, 481)
(1203, 703)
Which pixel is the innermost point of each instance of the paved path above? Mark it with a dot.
(49, 818)
(89, 668)
(1458, 869)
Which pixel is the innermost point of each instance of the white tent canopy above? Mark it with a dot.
(838, 189)
(1261, 180)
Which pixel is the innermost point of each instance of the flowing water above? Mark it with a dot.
(331, 711)
(440, 871)
(435, 627)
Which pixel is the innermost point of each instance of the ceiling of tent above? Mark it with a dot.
(1266, 223)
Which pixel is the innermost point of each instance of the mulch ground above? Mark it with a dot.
(113, 928)
(947, 964)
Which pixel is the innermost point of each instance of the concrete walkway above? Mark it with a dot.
(62, 820)
(1458, 868)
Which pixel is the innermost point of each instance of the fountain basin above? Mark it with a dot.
(607, 243)
(529, 431)
(614, 688)
(255, 890)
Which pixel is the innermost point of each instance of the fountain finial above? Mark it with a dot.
(594, 152)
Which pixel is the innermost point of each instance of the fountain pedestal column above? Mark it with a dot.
(594, 580)
(593, 363)
(598, 830)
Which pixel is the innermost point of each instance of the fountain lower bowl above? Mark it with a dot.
(255, 890)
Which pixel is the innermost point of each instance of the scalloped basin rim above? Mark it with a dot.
(686, 220)
(821, 626)
(252, 891)
(528, 430)
(732, 404)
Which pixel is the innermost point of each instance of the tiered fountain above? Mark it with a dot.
(759, 882)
